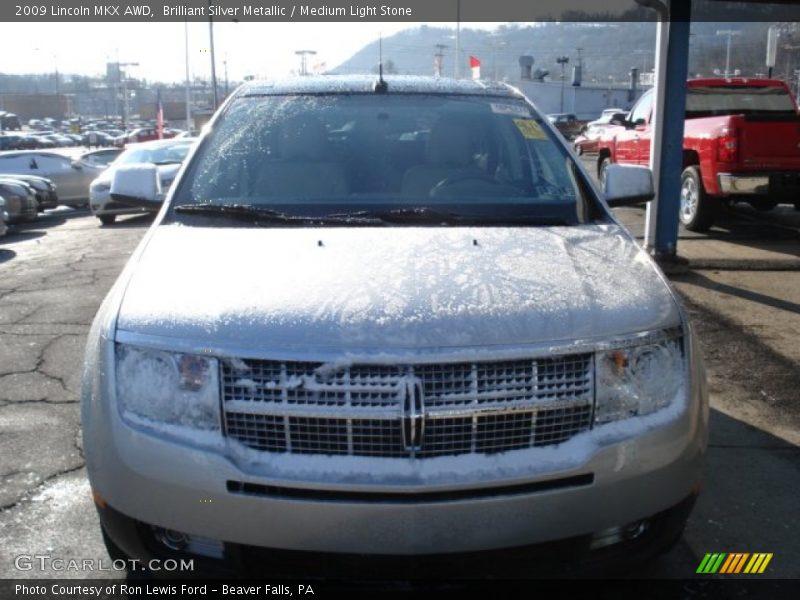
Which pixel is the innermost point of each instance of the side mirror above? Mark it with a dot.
(621, 120)
(76, 165)
(137, 185)
(626, 185)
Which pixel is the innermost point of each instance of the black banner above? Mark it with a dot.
(465, 11)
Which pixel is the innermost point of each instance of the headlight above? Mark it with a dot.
(157, 389)
(639, 380)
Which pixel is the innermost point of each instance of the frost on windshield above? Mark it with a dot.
(348, 149)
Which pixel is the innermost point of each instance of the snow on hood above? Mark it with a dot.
(391, 288)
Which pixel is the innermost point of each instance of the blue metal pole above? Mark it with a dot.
(669, 180)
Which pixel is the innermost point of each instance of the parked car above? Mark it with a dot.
(568, 124)
(142, 134)
(27, 141)
(9, 121)
(42, 141)
(3, 217)
(97, 138)
(46, 195)
(20, 200)
(741, 143)
(424, 334)
(70, 177)
(588, 140)
(9, 141)
(167, 155)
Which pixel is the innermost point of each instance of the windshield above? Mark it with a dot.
(712, 101)
(320, 154)
(172, 153)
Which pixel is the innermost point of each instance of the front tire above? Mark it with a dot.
(698, 210)
(601, 172)
(107, 219)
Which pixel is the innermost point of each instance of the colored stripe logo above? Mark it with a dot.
(734, 563)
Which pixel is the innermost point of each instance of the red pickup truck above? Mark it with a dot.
(741, 142)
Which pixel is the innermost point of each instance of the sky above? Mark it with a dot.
(259, 49)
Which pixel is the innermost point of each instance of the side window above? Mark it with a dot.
(15, 164)
(641, 112)
(54, 164)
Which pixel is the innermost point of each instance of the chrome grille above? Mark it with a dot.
(367, 410)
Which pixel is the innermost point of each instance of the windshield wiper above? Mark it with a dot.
(260, 214)
(167, 162)
(425, 215)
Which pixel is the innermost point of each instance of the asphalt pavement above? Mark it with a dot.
(54, 274)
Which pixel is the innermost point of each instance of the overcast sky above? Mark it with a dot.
(260, 49)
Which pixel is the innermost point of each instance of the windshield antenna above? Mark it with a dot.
(380, 86)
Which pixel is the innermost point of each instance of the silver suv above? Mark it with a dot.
(389, 318)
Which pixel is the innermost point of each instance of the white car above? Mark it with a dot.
(389, 318)
(167, 155)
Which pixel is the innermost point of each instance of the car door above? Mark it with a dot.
(629, 141)
(71, 179)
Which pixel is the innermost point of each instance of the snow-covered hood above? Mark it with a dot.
(165, 172)
(391, 288)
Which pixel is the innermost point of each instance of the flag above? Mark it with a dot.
(475, 65)
(160, 118)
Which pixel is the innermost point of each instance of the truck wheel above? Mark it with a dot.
(698, 210)
(601, 175)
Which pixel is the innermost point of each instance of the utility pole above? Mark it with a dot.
(458, 40)
(303, 54)
(730, 33)
(562, 60)
(122, 82)
(188, 81)
(495, 45)
(438, 59)
(225, 64)
(213, 59)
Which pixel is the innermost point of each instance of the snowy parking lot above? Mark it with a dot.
(54, 273)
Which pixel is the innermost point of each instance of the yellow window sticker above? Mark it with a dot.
(530, 129)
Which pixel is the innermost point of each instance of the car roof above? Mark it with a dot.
(159, 143)
(14, 153)
(363, 84)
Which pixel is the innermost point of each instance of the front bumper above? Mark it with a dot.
(567, 558)
(101, 203)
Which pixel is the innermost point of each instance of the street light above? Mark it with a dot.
(562, 60)
(213, 61)
(730, 33)
(303, 60)
(188, 82)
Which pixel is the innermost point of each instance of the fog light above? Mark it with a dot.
(174, 540)
(193, 544)
(615, 535)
